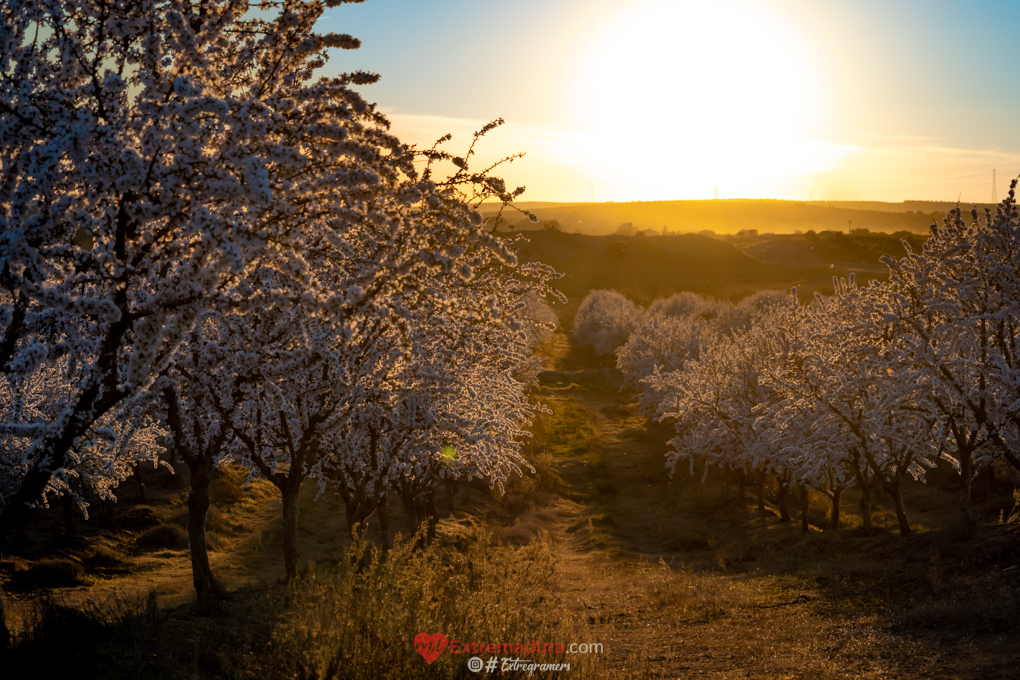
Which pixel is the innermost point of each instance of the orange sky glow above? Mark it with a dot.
(675, 99)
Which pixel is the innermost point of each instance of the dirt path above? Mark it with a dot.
(654, 617)
(650, 566)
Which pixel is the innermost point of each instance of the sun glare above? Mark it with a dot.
(680, 97)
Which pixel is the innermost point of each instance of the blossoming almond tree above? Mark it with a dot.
(952, 313)
(454, 410)
(605, 320)
(716, 401)
(402, 265)
(98, 461)
(677, 329)
(151, 155)
(201, 392)
(481, 415)
(661, 343)
(151, 152)
(847, 408)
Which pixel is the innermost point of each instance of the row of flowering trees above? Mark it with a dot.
(206, 245)
(869, 386)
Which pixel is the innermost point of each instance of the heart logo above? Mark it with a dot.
(430, 645)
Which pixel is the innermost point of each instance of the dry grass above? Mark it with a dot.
(164, 537)
(355, 618)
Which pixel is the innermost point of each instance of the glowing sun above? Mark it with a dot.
(677, 97)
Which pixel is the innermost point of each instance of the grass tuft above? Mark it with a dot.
(164, 537)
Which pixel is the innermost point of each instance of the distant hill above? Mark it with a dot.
(798, 253)
(727, 216)
(648, 267)
(926, 207)
(860, 251)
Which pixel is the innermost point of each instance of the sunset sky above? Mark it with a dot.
(667, 99)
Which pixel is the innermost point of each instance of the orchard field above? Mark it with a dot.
(280, 398)
(675, 575)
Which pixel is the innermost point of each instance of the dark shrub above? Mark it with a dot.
(138, 518)
(50, 573)
(103, 559)
(164, 537)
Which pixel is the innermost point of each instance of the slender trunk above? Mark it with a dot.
(69, 532)
(835, 508)
(141, 482)
(741, 487)
(20, 540)
(761, 491)
(105, 515)
(410, 509)
(804, 528)
(384, 525)
(966, 476)
(901, 512)
(449, 495)
(866, 507)
(432, 515)
(290, 528)
(5, 634)
(207, 588)
(781, 496)
(358, 510)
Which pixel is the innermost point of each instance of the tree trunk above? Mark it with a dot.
(433, 515)
(20, 540)
(207, 588)
(741, 487)
(290, 529)
(384, 525)
(411, 509)
(358, 510)
(966, 476)
(781, 496)
(761, 491)
(866, 507)
(69, 532)
(901, 512)
(835, 508)
(804, 527)
(141, 482)
(449, 495)
(5, 634)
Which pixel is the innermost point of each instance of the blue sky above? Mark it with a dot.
(896, 100)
